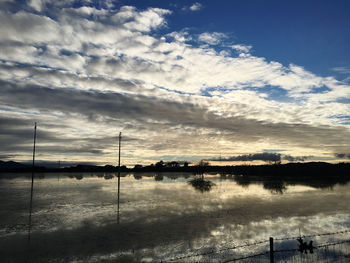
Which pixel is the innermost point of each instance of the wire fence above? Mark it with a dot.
(314, 235)
(215, 251)
(271, 252)
(247, 257)
(318, 246)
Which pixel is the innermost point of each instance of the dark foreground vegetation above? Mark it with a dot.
(295, 170)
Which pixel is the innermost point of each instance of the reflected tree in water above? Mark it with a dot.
(173, 176)
(159, 177)
(137, 176)
(275, 187)
(201, 184)
(242, 180)
(108, 176)
(79, 176)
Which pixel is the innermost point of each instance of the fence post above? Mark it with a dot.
(272, 260)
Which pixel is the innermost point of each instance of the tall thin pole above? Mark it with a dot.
(120, 140)
(272, 258)
(32, 186)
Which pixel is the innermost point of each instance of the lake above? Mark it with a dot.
(164, 217)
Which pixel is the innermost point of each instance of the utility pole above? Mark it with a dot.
(120, 139)
(32, 186)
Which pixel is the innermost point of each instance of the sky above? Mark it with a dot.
(182, 80)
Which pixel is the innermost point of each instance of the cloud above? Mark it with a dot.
(182, 36)
(28, 28)
(342, 70)
(241, 48)
(92, 104)
(295, 158)
(194, 7)
(144, 21)
(107, 69)
(343, 155)
(36, 4)
(211, 38)
(17, 136)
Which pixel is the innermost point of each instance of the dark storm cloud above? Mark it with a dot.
(94, 104)
(253, 157)
(267, 157)
(6, 156)
(59, 77)
(295, 158)
(343, 155)
(16, 135)
(145, 110)
(12, 6)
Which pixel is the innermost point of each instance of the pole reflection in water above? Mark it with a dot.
(31, 189)
(118, 211)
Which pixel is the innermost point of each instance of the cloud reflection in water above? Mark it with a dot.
(159, 219)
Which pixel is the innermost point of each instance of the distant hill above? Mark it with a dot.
(12, 166)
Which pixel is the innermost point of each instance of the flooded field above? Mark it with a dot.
(171, 218)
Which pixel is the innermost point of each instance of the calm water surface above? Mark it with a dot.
(164, 217)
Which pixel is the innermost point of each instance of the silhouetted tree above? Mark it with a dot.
(160, 164)
(173, 164)
(203, 163)
(137, 166)
(201, 167)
